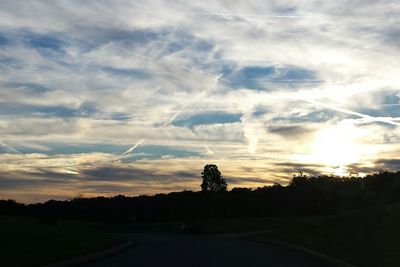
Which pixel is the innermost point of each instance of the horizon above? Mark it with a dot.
(118, 97)
(229, 189)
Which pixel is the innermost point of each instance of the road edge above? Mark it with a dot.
(92, 256)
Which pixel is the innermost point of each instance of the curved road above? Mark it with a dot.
(179, 250)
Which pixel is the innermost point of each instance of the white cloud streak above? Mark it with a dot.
(74, 74)
(130, 150)
(367, 118)
(9, 148)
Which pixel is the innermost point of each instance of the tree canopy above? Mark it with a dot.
(213, 181)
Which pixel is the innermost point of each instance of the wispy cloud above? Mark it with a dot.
(248, 15)
(233, 82)
(8, 148)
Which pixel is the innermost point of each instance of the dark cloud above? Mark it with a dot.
(247, 180)
(291, 167)
(136, 175)
(99, 180)
(13, 183)
(361, 168)
(157, 152)
(117, 174)
(390, 164)
(64, 148)
(38, 179)
(292, 131)
(298, 165)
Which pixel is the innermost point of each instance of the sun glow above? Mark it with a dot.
(335, 147)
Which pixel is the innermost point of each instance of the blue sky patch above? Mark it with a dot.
(42, 41)
(3, 40)
(183, 40)
(45, 111)
(391, 99)
(268, 77)
(32, 88)
(383, 111)
(247, 77)
(7, 63)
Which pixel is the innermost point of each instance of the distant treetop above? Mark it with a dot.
(213, 181)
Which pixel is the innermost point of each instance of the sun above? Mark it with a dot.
(335, 147)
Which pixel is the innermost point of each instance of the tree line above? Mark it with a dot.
(304, 195)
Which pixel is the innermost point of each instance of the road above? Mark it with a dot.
(193, 251)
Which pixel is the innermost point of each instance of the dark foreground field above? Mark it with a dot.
(368, 237)
(354, 219)
(28, 242)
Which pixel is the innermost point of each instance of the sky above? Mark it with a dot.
(99, 98)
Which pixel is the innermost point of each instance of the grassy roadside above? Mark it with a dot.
(27, 242)
(363, 238)
(369, 237)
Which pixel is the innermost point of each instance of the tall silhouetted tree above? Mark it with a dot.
(212, 179)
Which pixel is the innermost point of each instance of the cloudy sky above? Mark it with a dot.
(135, 97)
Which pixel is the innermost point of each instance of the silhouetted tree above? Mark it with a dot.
(212, 179)
(300, 180)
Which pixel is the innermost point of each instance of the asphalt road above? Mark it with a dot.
(179, 250)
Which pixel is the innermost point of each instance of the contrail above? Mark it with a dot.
(130, 150)
(174, 116)
(388, 120)
(208, 150)
(9, 148)
(219, 76)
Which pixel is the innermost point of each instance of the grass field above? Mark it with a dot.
(369, 237)
(27, 242)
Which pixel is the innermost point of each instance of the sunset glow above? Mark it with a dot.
(336, 146)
